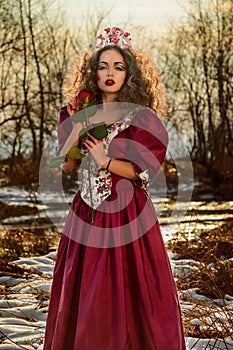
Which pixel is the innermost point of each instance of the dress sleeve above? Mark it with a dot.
(144, 144)
(64, 129)
(64, 126)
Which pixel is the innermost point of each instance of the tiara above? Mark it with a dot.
(114, 36)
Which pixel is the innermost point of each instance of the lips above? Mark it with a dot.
(109, 82)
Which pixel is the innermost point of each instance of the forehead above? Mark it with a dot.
(111, 55)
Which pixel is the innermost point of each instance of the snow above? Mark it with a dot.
(23, 310)
(24, 305)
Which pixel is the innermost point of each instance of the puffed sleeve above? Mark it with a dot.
(64, 126)
(64, 129)
(144, 144)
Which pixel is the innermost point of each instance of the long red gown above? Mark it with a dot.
(113, 287)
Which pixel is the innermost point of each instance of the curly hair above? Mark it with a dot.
(142, 84)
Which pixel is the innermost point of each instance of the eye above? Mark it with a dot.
(120, 68)
(101, 67)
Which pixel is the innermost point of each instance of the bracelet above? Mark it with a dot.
(107, 167)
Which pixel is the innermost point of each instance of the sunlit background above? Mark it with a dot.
(190, 41)
(154, 14)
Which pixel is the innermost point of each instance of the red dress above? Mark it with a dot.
(113, 287)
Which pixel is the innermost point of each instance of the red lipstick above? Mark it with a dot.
(109, 82)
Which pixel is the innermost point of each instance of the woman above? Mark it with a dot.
(113, 288)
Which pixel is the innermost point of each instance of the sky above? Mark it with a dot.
(154, 14)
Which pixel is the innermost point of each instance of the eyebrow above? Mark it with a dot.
(114, 62)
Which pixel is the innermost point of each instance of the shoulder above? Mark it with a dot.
(148, 122)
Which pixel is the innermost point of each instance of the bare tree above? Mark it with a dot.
(83, 36)
(34, 52)
(196, 59)
(37, 48)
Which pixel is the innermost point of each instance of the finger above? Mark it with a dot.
(89, 143)
(93, 138)
(87, 146)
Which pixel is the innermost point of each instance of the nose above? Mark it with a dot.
(109, 72)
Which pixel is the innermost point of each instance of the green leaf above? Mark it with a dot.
(83, 133)
(56, 161)
(90, 111)
(99, 131)
(74, 153)
(86, 101)
(79, 116)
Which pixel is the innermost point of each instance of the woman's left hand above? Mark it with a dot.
(96, 149)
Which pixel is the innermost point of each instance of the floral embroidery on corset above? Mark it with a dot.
(96, 183)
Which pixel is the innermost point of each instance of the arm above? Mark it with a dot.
(68, 134)
(121, 168)
(116, 166)
(143, 143)
(72, 140)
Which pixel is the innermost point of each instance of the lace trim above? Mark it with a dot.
(144, 177)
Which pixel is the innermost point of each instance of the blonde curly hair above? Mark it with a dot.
(142, 84)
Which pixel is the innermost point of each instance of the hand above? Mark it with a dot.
(97, 151)
(74, 107)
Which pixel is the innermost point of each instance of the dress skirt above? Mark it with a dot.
(121, 297)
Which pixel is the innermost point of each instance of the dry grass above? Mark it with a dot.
(19, 172)
(210, 317)
(207, 246)
(13, 210)
(214, 250)
(16, 243)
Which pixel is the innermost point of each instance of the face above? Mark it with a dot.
(111, 73)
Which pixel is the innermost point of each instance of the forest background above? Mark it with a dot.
(194, 57)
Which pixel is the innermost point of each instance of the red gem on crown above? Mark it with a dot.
(114, 36)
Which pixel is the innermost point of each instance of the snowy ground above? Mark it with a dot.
(23, 307)
(24, 301)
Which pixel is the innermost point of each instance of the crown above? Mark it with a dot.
(114, 36)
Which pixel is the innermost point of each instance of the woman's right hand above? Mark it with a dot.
(73, 107)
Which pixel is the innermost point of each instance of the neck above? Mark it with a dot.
(109, 97)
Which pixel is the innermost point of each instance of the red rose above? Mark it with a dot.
(126, 33)
(107, 30)
(85, 96)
